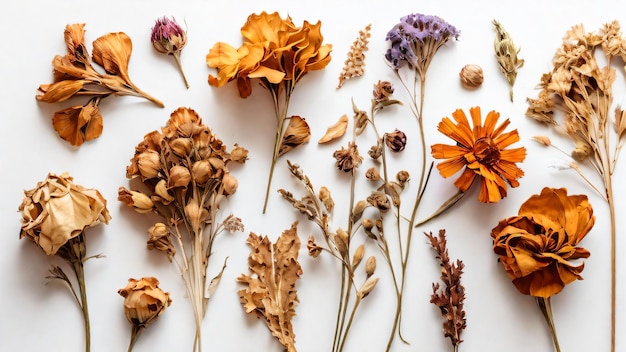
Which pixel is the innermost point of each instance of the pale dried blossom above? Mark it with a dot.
(507, 55)
(348, 159)
(382, 91)
(395, 141)
(354, 66)
(169, 38)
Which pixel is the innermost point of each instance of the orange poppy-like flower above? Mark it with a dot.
(537, 245)
(481, 150)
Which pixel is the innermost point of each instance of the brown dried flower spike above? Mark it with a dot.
(354, 65)
(74, 75)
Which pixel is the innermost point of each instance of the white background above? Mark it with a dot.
(40, 317)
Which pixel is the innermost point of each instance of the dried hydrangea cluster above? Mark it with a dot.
(481, 151)
(144, 302)
(451, 297)
(279, 54)
(506, 55)
(169, 38)
(536, 247)
(55, 215)
(354, 66)
(580, 90)
(183, 170)
(271, 288)
(74, 75)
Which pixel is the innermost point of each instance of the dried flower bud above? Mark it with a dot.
(360, 120)
(396, 140)
(57, 210)
(372, 174)
(358, 210)
(179, 177)
(471, 76)
(376, 151)
(144, 301)
(348, 159)
(582, 150)
(160, 238)
(370, 266)
(196, 214)
(149, 164)
(201, 171)
(403, 177)
(358, 255)
(342, 239)
(368, 225)
(380, 201)
(181, 146)
(169, 38)
(239, 154)
(230, 184)
(382, 91)
(326, 199)
(139, 201)
(314, 249)
(544, 140)
(161, 193)
(367, 287)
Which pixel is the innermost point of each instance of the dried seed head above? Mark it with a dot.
(471, 76)
(358, 255)
(314, 249)
(137, 200)
(370, 266)
(358, 210)
(179, 177)
(382, 91)
(372, 174)
(368, 225)
(403, 177)
(239, 154)
(376, 151)
(348, 159)
(544, 140)
(230, 184)
(380, 201)
(396, 140)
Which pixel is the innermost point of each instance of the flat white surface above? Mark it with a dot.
(40, 317)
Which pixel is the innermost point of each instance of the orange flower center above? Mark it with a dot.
(486, 151)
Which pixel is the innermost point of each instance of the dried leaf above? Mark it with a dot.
(210, 290)
(296, 134)
(335, 131)
(271, 292)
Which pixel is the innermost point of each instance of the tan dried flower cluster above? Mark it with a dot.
(507, 55)
(271, 289)
(184, 173)
(354, 66)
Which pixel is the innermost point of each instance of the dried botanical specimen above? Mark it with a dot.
(74, 75)
(335, 131)
(536, 246)
(471, 76)
(55, 215)
(480, 150)
(184, 176)
(577, 97)
(277, 53)
(271, 289)
(169, 38)
(144, 301)
(450, 298)
(506, 54)
(414, 42)
(354, 66)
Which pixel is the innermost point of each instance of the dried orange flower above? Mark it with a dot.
(354, 66)
(184, 171)
(74, 75)
(144, 301)
(537, 247)
(55, 215)
(481, 150)
(277, 53)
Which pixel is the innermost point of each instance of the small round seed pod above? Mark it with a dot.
(471, 76)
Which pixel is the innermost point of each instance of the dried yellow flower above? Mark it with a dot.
(354, 66)
(506, 54)
(471, 76)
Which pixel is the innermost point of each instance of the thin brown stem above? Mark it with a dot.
(546, 310)
(134, 335)
(180, 67)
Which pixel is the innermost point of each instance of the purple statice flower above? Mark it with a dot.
(416, 39)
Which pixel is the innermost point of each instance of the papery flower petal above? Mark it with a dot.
(112, 51)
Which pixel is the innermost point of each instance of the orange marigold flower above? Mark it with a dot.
(481, 149)
(537, 245)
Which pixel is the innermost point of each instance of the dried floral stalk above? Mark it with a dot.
(279, 54)
(506, 55)
(169, 38)
(55, 215)
(582, 90)
(354, 66)
(184, 176)
(451, 297)
(74, 75)
(271, 289)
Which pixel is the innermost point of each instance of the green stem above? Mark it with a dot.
(546, 310)
(80, 275)
(136, 331)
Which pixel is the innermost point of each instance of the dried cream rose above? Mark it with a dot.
(144, 301)
(58, 210)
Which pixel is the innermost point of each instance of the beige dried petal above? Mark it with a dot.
(370, 266)
(296, 134)
(367, 287)
(357, 256)
(336, 130)
(144, 301)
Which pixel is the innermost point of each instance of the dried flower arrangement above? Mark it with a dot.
(184, 177)
(144, 302)
(582, 91)
(74, 75)
(279, 54)
(55, 215)
(354, 66)
(450, 298)
(536, 247)
(271, 288)
(506, 55)
(169, 38)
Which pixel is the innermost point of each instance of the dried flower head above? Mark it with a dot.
(416, 39)
(169, 38)
(536, 247)
(471, 76)
(58, 210)
(348, 159)
(506, 54)
(144, 301)
(382, 91)
(74, 75)
(354, 66)
(396, 140)
(160, 238)
(481, 151)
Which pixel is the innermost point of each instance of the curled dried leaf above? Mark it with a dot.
(296, 134)
(336, 130)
